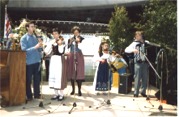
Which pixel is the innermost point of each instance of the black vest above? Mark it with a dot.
(55, 50)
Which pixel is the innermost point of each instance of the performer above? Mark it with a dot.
(75, 52)
(33, 48)
(140, 64)
(102, 71)
(57, 70)
(48, 50)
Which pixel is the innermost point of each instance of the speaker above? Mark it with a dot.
(125, 83)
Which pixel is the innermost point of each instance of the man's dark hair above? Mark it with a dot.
(28, 23)
(55, 30)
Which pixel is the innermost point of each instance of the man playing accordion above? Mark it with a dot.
(140, 65)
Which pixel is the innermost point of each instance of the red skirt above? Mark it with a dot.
(80, 75)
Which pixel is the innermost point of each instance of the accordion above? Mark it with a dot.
(117, 64)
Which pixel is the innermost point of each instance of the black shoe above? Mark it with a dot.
(55, 97)
(72, 93)
(143, 95)
(135, 95)
(79, 93)
(61, 98)
(29, 99)
(37, 96)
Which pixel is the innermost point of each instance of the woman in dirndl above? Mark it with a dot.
(75, 58)
(101, 77)
(57, 70)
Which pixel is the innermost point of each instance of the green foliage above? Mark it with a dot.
(20, 30)
(159, 22)
(119, 28)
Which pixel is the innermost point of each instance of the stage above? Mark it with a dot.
(122, 105)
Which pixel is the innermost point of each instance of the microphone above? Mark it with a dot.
(152, 44)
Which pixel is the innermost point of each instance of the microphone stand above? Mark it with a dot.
(108, 102)
(74, 75)
(148, 84)
(160, 106)
(162, 51)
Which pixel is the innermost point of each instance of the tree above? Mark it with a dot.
(159, 22)
(119, 28)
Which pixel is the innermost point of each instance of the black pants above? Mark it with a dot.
(79, 83)
(47, 63)
(34, 71)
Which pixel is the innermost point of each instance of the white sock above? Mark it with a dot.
(97, 92)
(61, 92)
(56, 92)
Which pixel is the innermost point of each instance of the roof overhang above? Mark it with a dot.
(70, 4)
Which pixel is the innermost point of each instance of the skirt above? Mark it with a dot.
(57, 72)
(102, 77)
(80, 69)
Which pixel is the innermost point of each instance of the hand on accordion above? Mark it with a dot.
(135, 51)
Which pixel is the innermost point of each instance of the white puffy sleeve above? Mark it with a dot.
(80, 46)
(67, 50)
(131, 47)
(48, 48)
(61, 48)
(96, 57)
(105, 56)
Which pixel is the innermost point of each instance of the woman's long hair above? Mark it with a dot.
(101, 48)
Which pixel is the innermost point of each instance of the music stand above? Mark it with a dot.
(161, 77)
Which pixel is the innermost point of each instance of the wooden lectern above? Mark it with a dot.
(12, 77)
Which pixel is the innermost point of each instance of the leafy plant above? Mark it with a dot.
(119, 28)
(159, 22)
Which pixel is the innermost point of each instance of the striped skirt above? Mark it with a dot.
(80, 74)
